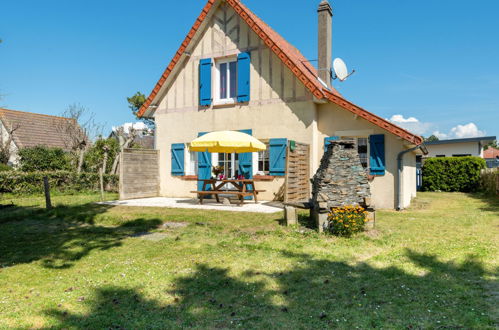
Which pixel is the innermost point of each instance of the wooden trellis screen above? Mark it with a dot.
(297, 186)
(139, 173)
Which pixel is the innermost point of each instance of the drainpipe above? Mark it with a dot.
(400, 158)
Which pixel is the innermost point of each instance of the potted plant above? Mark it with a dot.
(217, 171)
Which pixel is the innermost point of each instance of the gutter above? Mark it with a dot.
(400, 158)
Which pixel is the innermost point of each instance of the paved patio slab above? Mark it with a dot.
(190, 203)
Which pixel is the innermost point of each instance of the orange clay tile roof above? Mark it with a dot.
(491, 153)
(292, 58)
(34, 129)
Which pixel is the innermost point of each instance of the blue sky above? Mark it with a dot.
(434, 65)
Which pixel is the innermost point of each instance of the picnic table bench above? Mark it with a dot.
(243, 188)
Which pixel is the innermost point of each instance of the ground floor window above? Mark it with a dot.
(230, 164)
(362, 150)
(264, 161)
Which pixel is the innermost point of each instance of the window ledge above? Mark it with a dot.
(189, 177)
(217, 105)
(263, 177)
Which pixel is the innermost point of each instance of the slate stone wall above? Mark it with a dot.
(341, 179)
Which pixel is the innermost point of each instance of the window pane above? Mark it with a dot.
(233, 79)
(223, 81)
(362, 150)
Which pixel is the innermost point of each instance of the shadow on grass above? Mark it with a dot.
(492, 202)
(60, 236)
(315, 294)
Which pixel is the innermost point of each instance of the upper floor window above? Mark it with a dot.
(226, 81)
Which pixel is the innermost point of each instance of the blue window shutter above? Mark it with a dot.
(204, 167)
(277, 155)
(377, 154)
(243, 77)
(246, 163)
(178, 150)
(327, 141)
(205, 82)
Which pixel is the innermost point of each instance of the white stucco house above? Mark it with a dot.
(234, 72)
(458, 147)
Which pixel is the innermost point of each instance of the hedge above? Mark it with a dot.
(490, 181)
(17, 182)
(452, 174)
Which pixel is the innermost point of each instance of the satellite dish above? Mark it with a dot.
(340, 69)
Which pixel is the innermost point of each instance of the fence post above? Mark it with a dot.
(101, 179)
(46, 187)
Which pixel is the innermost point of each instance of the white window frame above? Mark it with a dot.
(234, 162)
(190, 161)
(216, 90)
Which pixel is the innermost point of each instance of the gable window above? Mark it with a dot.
(226, 81)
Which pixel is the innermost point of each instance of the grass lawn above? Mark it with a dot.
(83, 266)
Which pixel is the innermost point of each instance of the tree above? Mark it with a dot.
(125, 140)
(5, 148)
(431, 138)
(101, 155)
(492, 144)
(77, 130)
(135, 103)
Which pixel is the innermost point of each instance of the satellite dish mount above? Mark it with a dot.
(340, 70)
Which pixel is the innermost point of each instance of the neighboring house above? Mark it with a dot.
(32, 129)
(233, 72)
(458, 147)
(491, 156)
(144, 137)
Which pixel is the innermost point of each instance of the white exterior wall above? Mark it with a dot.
(463, 148)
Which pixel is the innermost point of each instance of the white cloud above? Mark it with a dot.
(137, 125)
(412, 124)
(466, 131)
(440, 135)
(460, 132)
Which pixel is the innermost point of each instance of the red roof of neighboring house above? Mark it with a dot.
(491, 153)
(292, 58)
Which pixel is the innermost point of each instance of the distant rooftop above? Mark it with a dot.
(482, 139)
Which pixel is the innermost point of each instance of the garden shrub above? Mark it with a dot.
(452, 174)
(94, 157)
(41, 158)
(5, 167)
(26, 183)
(347, 220)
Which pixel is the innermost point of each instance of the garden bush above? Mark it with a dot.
(347, 220)
(5, 167)
(41, 158)
(452, 174)
(26, 183)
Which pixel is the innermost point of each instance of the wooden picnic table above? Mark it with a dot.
(240, 187)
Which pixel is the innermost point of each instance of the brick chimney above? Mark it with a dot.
(325, 13)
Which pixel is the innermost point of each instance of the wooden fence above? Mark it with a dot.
(297, 186)
(489, 180)
(139, 173)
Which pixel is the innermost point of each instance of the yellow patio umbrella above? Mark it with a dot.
(227, 142)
